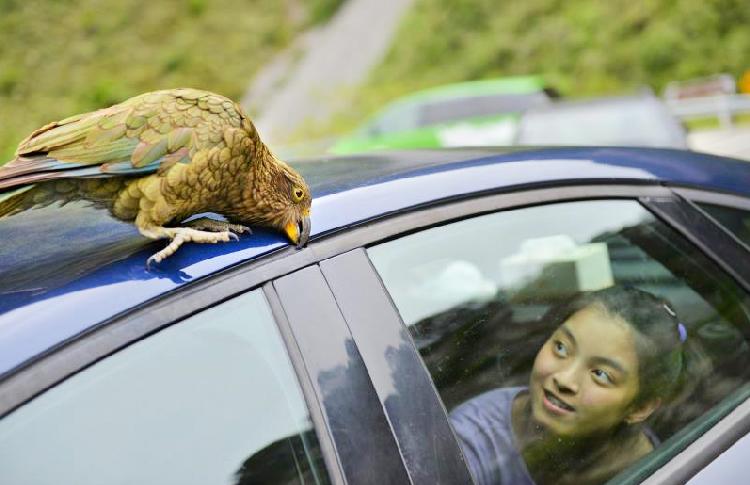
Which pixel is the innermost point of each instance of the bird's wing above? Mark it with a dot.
(139, 136)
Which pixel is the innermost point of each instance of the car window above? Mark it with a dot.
(448, 110)
(213, 399)
(737, 221)
(567, 341)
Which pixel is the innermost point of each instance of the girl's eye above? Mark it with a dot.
(560, 349)
(601, 376)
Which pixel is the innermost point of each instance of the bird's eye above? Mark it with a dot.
(297, 194)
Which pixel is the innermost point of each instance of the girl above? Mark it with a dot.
(615, 356)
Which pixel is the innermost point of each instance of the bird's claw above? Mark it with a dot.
(240, 229)
(181, 235)
(212, 225)
(154, 258)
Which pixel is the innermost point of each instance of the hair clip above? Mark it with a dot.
(682, 331)
(669, 310)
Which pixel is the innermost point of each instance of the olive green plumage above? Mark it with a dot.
(157, 159)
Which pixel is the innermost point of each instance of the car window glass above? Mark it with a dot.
(448, 110)
(213, 399)
(568, 340)
(737, 221)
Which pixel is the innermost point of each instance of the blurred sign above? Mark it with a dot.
(744, 84)
(721, 84)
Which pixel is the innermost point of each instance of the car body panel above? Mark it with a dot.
(41, 317)
(727, 467)
(482, 131)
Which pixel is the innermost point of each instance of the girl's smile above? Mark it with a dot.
(556, 405)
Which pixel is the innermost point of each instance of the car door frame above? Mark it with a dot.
(119, 332)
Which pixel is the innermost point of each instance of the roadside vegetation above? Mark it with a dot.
(69, 56)
(581, 47)
(63, 57)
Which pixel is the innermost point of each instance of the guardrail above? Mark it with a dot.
(723, 107)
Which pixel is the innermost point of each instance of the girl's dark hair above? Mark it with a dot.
(658, 335)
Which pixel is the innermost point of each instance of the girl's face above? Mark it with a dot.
(585, 377)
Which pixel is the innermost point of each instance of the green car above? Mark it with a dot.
(473, 113)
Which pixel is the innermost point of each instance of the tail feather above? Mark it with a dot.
(38, 163)
(13, 201)
(29, 178)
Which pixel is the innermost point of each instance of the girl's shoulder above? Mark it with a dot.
(494, 405)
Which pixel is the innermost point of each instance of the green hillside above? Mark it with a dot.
(62, 57)
(67, 56)
(582, 47)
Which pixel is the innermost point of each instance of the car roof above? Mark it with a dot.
(609, 102)
(485, 87)
(63, 270)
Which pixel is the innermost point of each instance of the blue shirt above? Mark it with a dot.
(485, 433)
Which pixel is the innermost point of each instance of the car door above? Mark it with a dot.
(213, 398)
(477, 328)
(240, 379)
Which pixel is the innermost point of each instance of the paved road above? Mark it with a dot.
(731, 142)
(305, 84)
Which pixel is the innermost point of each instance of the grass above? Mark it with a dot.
(712, 122)
(63, 57)
(582, 47)
(58, 58)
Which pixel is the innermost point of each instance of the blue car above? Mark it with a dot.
(429, 284)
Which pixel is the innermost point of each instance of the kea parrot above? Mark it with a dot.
(156, 160)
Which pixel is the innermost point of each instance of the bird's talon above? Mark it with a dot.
(181, 235)
(151, 260)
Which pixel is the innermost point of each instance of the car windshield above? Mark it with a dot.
(609, 123)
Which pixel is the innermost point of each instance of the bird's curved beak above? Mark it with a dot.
(299, 232)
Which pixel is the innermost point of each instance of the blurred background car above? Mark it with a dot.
(473, 113)
(635, 120)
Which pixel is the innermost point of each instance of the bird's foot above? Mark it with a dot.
(181, 235)
(212, 225)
